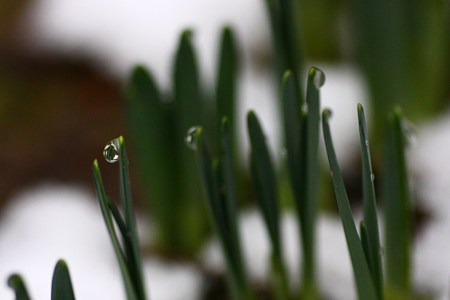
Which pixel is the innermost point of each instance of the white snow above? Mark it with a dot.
(49, 222)
(120, 34)
(430, 161)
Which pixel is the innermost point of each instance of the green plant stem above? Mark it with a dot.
(363, 278)
(397, 212)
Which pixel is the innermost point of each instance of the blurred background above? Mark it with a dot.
(64, 65)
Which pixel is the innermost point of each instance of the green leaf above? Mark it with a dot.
(267, 197)
(131, 239)
(153, 140)
(61, 284)
(188, 111)
(309, 176)
(219, 191)
(285, 38)
(186, 85)
(16, 282)
(373, 252)
(364, 284)
(396, 211)
(265, 181)
(227, 76)
(292, 128)
(104, 206)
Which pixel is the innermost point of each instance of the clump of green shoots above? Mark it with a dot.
(158, 123)
(365, 250)
(121, 228)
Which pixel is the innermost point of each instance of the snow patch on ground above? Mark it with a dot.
(49, 222)
(120, 34)
(431, 161)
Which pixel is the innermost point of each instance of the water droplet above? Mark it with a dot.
(367, 143)
(332, 173)
(318, 77)
(372, 176)
(410, 133)
(191, 137)
(305, 108)
(111, 151)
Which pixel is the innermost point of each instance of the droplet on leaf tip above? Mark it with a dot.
(191, 137)
(111, 151)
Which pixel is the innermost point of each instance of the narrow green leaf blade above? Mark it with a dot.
(369, 206)
(103, 201)
(62, 284)
(16, 282)
(131, 240)
(309, 176)
(188, 107)
(221, 210)
(152, 139)
(227, 76)
(186, 85)
(397, 211)
(364, 284)
(227, 180)
(265, 182)
(292, 129)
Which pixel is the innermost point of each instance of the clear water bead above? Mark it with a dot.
(372, 176)
(318, 77)
(410, 133)
(191, 137)
(111, 151)
(305, 108)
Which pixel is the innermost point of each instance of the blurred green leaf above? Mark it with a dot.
(307, 201)
(373, 251)
(218, 186)
(188, 104)
(153, 140)
(267, 198)
(403, 47)
(264, 180)
(16, 282)
(397, 214)
(292, 128)
(364, 284)
(282, 15)
(227, 76)
(186, 86)
(62, 284)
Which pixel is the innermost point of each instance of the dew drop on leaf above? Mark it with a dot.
(305, 108)
(111, 151)
(410, 133)
(191, 137)
(318, 77)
